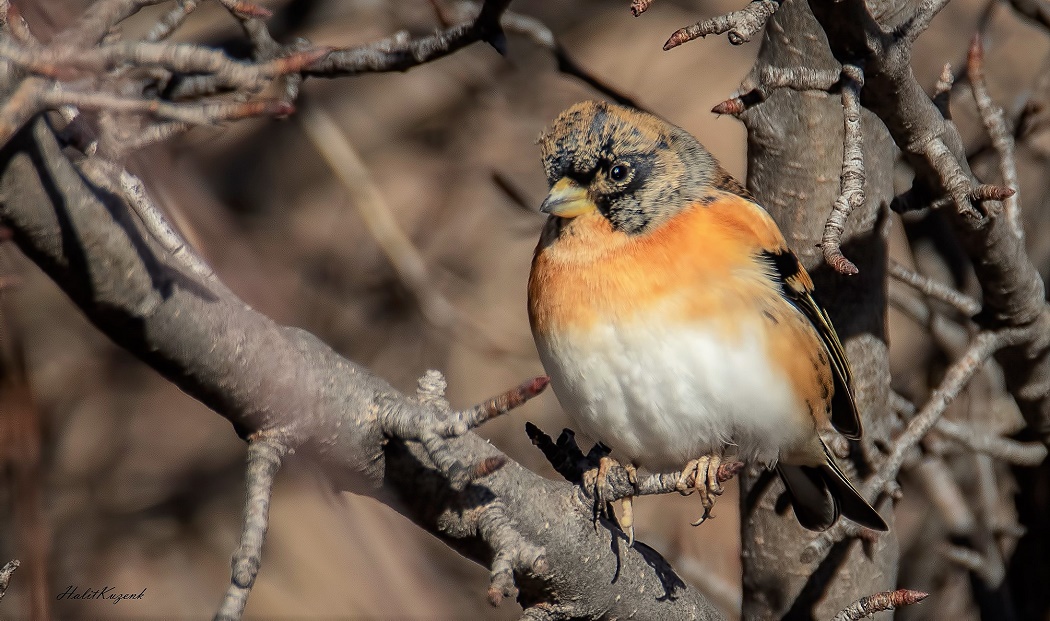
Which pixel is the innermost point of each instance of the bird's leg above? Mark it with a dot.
(704, 473)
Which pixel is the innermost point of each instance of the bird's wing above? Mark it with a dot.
(736, 210)
(797, 287)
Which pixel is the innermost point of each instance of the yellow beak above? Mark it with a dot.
(567, 200)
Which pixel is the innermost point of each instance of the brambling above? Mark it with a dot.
(674, 321)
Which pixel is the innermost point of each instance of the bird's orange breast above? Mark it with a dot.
(700, 264)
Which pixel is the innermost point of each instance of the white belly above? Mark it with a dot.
(662, 395)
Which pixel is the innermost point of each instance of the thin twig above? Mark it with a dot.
(1002, 138)
(938, 291)
(967, 558)
(513, 553)
(943, 492)
(444, 423)
(1029, 454)
(97, 21)
(134, 192)
(330, 141)
(955, 181)
(851, 193)
(171, 21)
(197, 113)
(5, 575)
(772, 78)
(942, 93)
(922, 18)
(187, 58)
(888, 600)
(264, 460)
(993, 570)
(401, 52)
(741, 25)
(117, 180)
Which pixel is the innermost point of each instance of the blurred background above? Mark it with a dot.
(112, 477)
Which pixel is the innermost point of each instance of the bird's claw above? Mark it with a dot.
(599, 480)
(701, 475)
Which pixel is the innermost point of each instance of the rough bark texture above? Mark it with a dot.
(794, 159)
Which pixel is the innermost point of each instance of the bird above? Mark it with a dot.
(675, 323)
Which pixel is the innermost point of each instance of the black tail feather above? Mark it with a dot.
(814, 506)
(848, 499)
(820, 494)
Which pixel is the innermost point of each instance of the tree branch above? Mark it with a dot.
(5, 575)
(888, 600)
(741, 25)
(363, 434)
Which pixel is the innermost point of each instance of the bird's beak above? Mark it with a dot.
(567, 200)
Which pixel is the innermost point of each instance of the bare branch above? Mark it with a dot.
(5, 575)
(540, 34)
(851, 194)
(513, 553)
(119, 181)
(344, 160)
(95, 23)
(168, 24)
(400, 52)
(1002, 138)
(939, 485)
(942, 93)
(741, 25)
(968, 558)
(264, 460)
(867, 606)
(17, 26)
(189, 58)
(1028, 454)
(938, 291)
(922, 18)
(956, 182)
(199, 113)
(993, 570)
(1013, 292)
(772, 78)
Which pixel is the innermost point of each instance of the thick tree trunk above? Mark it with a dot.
(795, 160)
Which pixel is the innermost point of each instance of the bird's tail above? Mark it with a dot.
(820, 494)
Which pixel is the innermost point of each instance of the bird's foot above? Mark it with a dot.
(701, 475)
(598, 480)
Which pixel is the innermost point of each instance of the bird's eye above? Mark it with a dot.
(619, 172)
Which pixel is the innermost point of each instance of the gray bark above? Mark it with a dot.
(794, 163)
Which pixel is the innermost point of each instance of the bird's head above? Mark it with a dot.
(630, 167)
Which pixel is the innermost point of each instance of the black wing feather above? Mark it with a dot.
(798, 289)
